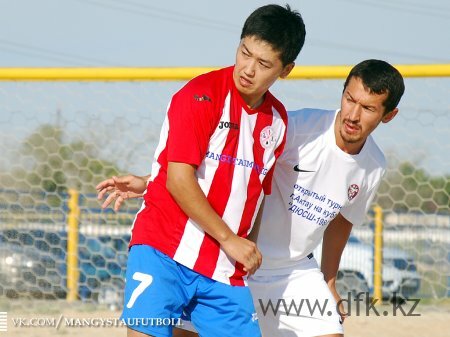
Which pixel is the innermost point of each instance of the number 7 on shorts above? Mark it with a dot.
(146, 280)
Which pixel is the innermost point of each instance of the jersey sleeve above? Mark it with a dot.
(356, 212)
(291, 143)
(191, 124)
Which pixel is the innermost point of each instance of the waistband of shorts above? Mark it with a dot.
(305, 263)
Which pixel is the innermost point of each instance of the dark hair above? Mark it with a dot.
(380, 77)
(281, 27)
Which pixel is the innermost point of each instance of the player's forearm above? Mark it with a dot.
(140, 188)
(186, 191)
(334, 241)
(330, 267)
(331, 257)
(253, 236)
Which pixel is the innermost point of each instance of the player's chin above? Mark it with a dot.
(352, 137)
(245, 91)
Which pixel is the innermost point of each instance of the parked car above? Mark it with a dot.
(399, 277)
(41, 268)
(27, 270)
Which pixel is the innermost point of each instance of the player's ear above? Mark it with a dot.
(287, 69)
(389, 116)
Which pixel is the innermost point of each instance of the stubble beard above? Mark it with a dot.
(347, 138)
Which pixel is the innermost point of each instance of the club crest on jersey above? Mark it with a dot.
(352, 191)
(267, 137)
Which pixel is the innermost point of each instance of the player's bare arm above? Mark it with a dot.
(121, 188)
(183, 186)
(334, 240)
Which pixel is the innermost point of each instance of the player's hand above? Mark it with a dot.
(243, 251)
(120, 189)
(341, 310)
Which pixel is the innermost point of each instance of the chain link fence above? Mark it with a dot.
(60, 137)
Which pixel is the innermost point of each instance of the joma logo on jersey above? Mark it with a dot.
(228, 125)
(202, 98)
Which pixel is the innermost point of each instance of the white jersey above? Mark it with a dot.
(314, 181)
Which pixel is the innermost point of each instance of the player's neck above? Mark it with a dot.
(257, 103)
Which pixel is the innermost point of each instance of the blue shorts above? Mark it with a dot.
(159, 290)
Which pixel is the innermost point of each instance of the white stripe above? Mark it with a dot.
(191, 241)
(207, 169)
(261, 196)
(234, 210)
(189, 247)
(163, 137)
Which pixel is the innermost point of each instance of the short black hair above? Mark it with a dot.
(281, 27)
(380, 77)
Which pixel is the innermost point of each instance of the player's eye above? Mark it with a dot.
(245, 53)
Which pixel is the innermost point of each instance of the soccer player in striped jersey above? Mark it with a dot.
(325, 180)
(219, 143)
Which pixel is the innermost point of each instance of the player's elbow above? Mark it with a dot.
(179, 178)
(173, 185)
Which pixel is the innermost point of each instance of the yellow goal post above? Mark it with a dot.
(185, 73)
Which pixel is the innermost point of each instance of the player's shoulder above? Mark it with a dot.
(272, 104)
(375, 153)
(310, 120)
(204, 86)
(311, 114)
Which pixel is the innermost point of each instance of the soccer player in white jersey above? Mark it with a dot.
(323, 185)
(222, 135)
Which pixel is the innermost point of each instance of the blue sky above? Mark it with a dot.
(49, 33)
(205, 33)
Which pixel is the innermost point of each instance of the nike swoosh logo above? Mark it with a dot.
(298, 169)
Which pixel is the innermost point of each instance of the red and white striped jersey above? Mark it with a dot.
(234, 149)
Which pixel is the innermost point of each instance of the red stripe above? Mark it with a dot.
(253, 191)
(237, 280)
(219, 194)
(146, 228)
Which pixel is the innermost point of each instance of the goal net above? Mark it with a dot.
(58, 139)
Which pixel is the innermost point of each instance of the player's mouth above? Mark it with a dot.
(244, 82)
(351, 128)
